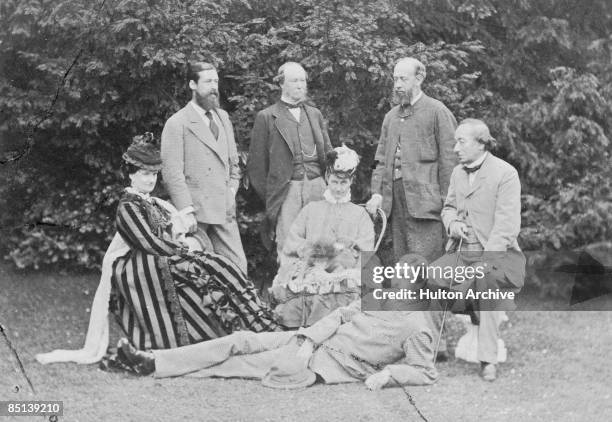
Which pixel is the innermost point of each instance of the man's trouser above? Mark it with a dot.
(420, 236)
(300, 193)
(489, 311)
(225, 240)
(242, 354)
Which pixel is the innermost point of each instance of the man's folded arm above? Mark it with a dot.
(327, 327)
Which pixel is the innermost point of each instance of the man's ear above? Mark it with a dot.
(192, 85)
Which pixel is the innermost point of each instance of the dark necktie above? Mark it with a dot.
(213, 126)
(469, 170)
(291, 106)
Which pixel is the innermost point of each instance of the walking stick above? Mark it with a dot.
(21, 368)
(446, 305)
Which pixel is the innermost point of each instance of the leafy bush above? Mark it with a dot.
(79, 80)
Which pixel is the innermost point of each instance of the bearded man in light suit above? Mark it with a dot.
(286, 164)
(200, 165)
(482, 214)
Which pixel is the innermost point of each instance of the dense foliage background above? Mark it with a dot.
(79, 78)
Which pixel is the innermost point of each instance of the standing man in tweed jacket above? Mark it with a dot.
(414, 162)
(414, 159)
(286, 161)
(200, 165)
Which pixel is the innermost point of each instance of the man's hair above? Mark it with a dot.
(193, 73)
(481, 132)
(419, 68)
(280, 75)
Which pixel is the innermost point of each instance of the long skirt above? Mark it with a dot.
(167, 302)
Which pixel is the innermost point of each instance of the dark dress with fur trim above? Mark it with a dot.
(164, 296)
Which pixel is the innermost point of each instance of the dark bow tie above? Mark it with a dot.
(291, 106)
(469, 170)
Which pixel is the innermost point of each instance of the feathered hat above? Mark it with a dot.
(342, 161)
(144, 153)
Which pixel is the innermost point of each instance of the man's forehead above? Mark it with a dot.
(208, 74)
(404, 68)
(293, 71)
(465, 131)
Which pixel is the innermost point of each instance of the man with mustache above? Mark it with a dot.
(200, 165)
(286, 161)
(414, 161)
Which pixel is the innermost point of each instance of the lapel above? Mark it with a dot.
(317, 134)
(197, 126)
(223, 142)
(482, 174)
(392, 146)
(283, 123)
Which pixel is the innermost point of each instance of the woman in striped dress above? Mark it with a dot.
(163, 295)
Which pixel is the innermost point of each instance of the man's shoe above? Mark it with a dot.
(489, 371)
(142, 362)
(442, 356)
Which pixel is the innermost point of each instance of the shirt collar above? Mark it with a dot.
(415, 99)
(199, 109)
(478, 162)
(288, 101)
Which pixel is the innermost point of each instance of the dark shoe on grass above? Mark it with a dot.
(442, 356)
(488, 372)
(143, 363)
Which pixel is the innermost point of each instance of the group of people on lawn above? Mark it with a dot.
(175, 275)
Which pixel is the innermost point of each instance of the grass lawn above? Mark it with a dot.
(558, 370)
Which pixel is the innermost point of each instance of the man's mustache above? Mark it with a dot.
(398, 96)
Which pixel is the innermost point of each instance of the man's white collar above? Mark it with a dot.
(199, 109)
(288, 101)
(477, 162)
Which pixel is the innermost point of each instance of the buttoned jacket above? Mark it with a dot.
(351, 344)
(271, 153)
(425, 135)
(199, 170)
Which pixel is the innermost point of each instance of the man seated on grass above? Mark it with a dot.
(383, 348)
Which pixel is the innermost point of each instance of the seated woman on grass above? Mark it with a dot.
(162, 294)
(319, 269)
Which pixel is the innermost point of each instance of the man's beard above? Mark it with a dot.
(402, 98)
(208, 101)
(303, 98)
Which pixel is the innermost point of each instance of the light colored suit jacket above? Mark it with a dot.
(353, 345)
(492, 205)
(199, 170)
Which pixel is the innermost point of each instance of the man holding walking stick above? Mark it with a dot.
(482, 216)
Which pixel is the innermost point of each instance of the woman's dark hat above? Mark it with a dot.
(144, 153)
(342, 161)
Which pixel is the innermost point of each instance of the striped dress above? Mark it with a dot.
(164, 296)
